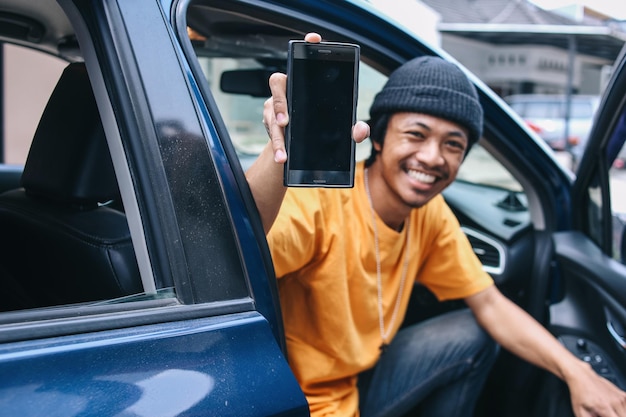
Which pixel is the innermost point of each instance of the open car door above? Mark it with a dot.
(588, 312)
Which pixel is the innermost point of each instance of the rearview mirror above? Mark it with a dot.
(252, 82)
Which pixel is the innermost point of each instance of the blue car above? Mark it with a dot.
(135, 274)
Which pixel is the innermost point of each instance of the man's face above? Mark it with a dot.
(421, 156)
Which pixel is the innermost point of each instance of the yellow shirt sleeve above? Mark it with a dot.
(293, 238)
(450, 269)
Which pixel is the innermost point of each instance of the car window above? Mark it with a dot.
(242, 114)
(67, 163)
(29, 78)
(480, 167)
(597, 225)
(543, 110)
(616, 155)
(581, 109)
(70, 249)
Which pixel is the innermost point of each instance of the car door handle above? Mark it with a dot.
(615, 334)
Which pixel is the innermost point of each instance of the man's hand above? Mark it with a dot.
(594, 396)
(276, 117)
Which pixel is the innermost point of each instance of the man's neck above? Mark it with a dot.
(387, 205)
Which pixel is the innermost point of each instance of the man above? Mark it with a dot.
(347, 259)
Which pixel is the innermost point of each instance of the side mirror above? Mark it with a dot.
(252, 82)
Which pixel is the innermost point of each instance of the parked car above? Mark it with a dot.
(135, 272)
(546, 115)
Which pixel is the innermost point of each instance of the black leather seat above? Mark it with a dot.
(59, 242)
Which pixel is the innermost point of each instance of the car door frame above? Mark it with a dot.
(590, 293)
(224, 339)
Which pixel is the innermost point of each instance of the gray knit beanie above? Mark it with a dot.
(433, 86)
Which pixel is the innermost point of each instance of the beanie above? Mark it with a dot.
(432, 86)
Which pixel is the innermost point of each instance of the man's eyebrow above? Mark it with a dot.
(421, 124)
(459, 133)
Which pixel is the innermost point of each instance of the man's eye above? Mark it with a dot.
(456, 145)
(416, 135)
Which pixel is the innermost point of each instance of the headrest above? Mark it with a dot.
(69, 160)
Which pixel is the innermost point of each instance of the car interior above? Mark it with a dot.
(489, 201)
(494, 228)
(67, 209)
(499, 199)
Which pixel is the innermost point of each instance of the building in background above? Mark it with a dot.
(516, 47)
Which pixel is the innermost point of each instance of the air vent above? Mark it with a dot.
(487, 254)
(490, 252)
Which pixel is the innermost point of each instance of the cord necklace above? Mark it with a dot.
(384, 334)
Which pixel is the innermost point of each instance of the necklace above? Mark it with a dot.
(384, 334)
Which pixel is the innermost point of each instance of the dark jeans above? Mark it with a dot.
(434, 368)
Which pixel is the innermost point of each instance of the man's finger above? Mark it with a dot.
(278, 87)
(274, 131)
(360, 131)
(277, 137)
(313, 37)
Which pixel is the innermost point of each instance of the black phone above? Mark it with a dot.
(322, 87)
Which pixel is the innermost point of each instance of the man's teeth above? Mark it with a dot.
(421, 177)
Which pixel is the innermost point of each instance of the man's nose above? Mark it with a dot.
(429, 153)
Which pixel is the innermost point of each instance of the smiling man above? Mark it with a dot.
(347, 259)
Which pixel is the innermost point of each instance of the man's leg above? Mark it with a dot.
(440, 364)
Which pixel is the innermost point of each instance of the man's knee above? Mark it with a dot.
(486, 349)
(459, 330)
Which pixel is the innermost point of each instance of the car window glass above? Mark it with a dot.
(518, 108)
(594, 211)
(597, 227)
(480, 167)
(581, 109)
(616, 156)
(27, 88)
(243, 114)
(59, 254)
(543, 110)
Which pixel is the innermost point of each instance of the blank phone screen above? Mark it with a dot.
(321, 114)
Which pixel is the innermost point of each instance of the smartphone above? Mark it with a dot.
(322, 87)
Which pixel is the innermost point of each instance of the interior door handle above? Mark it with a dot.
(615, 334)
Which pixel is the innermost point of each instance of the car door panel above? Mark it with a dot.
(591, 315)
(191, 367)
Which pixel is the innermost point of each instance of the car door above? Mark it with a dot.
(588, 313)
(198, 333)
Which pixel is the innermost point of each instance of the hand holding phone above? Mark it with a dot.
(322, 86)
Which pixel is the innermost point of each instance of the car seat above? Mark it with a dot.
(60, 242)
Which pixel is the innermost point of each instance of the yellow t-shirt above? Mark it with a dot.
(322, 245)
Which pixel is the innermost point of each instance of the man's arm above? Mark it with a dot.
(518, 332)
(265, 176)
